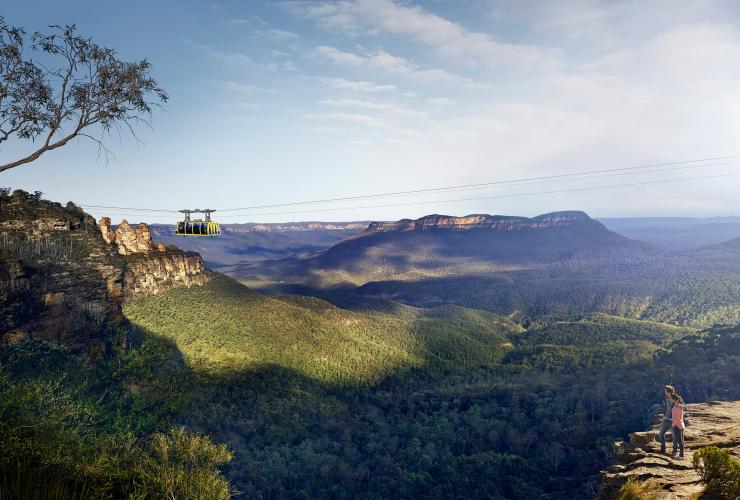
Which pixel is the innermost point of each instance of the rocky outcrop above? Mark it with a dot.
(106, 230)
(162, 270)
(488, 222)
(59, 281)
(711, 424)
(151, 267)
(64, 279)
(128, 239)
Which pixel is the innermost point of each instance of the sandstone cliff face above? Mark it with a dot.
(162, 270)
(711, 424)
(59, 281)
(151, 267)
(63, 278)
(490, 222)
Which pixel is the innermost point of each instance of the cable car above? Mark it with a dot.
(197, 227)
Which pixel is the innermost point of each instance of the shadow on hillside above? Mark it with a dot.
(278, 421)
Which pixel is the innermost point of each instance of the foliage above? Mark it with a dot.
(567, 271)
(81, 429)
(232, 328)
(719, 471)
(180, 465)
(66, 86)
(392, 401)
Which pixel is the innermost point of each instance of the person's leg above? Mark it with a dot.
(677, 442)
(664, 427)
(674, 439)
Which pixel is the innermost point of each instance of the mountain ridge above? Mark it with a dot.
(484, 221)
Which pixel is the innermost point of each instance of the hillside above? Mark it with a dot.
(439, 246)
(383, 400)
(243, 330)
(561, 263)
(87, 402)
(441, 402)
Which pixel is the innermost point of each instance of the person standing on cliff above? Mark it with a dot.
(678, 425)
(668, 392)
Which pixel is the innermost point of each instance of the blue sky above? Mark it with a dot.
(276, 102)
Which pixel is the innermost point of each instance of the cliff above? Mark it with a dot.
(711, 424)
(63, 278)
(489, 222)
(59, 280)
(151, 267)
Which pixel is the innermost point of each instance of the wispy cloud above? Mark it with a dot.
(352, 118)
(224, 57)
(449, 39)
(354, 85)
(233, 86)
(340, 57)
(276, 34)
(393, 65)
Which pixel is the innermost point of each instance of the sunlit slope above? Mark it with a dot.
(412, 256)
(224, 326)
(581, 268)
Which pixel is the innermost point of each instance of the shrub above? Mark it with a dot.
(636, 490)
(719, 471)
(181, 465)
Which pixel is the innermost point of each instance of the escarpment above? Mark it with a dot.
(711, 424)
(490, 222)
(63, 277)
(151, 267)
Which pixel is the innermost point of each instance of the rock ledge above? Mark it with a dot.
(711, 424)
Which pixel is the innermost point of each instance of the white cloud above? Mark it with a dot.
(339, 57)
(387, 109)
(233, 86)
(355, 103)
(352, 118)
(447, 38)
(394, 65)
(224, 57)
(353, 85)
(279, 35)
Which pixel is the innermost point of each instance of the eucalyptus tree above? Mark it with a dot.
(59, 86)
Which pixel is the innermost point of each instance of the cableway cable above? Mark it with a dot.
(509, 195)
(532, 180)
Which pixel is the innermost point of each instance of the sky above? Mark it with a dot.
(276, 102)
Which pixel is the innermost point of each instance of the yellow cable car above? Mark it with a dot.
(197, 227)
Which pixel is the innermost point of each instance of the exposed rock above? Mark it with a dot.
(712, 424)
(152, 267)
(133, 240)
(109, 236)
(63, 280)
(482, 221)
(59, 281)
(165, 269)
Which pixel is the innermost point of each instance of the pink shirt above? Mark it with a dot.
(677, 416)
